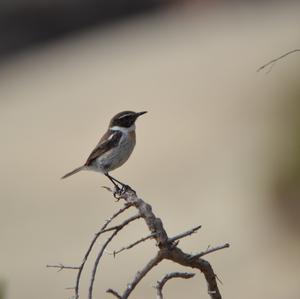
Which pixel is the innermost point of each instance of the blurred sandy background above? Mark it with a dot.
(226, 150)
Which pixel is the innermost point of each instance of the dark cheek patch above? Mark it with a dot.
(128, 122)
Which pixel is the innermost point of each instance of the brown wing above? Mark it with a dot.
(108, 141)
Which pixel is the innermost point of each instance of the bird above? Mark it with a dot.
(114, 148)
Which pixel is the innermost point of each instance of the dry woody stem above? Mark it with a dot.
(161, 283)
(167, 250)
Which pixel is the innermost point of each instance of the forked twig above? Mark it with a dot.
(116, 230)
(113, 292)
(167, 250)
(107, 222)
(97, 235)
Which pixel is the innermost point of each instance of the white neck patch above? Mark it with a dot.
(123, 129)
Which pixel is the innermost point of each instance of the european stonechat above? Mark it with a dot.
(114, 148)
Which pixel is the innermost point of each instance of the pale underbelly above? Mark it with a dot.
(113, 158)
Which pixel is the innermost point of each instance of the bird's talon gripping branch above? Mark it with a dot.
(126, 188)
(120, 192)
(117, 194)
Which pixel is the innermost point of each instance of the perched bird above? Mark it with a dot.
(114, 148)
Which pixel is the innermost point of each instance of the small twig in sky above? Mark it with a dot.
(272, 62)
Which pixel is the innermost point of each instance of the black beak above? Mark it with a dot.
(141, 113)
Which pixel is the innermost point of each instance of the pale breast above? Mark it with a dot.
(117, 156)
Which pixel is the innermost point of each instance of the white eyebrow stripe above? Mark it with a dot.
(125, 115)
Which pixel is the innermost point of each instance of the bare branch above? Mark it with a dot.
(209, 250)
(107, 222)
(113, 292)
(178, 256)
(272, 62)
(154, 224)
(62, 267)
(167, 248)
(133, 244)
(160, 284)
(184, 234)
(141, 274)
(117, 228)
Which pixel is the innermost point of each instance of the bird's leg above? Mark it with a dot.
(117, 188)
(124, 186)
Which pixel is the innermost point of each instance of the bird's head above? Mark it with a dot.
(125, 119)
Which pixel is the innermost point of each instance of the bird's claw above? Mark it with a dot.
(119, 192)
(117, 196)
(124, 188)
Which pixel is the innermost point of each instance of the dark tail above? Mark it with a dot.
(73, 171)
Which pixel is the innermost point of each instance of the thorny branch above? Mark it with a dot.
(116, 230)
(167, 249)
(107, 222)
(209, 250)
(141, 274)
(160, 284)
(62, 267)
(272, 62)
(184, 234)
(97, 235)
(133, 244)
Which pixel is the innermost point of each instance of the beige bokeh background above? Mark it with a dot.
(216, 140)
